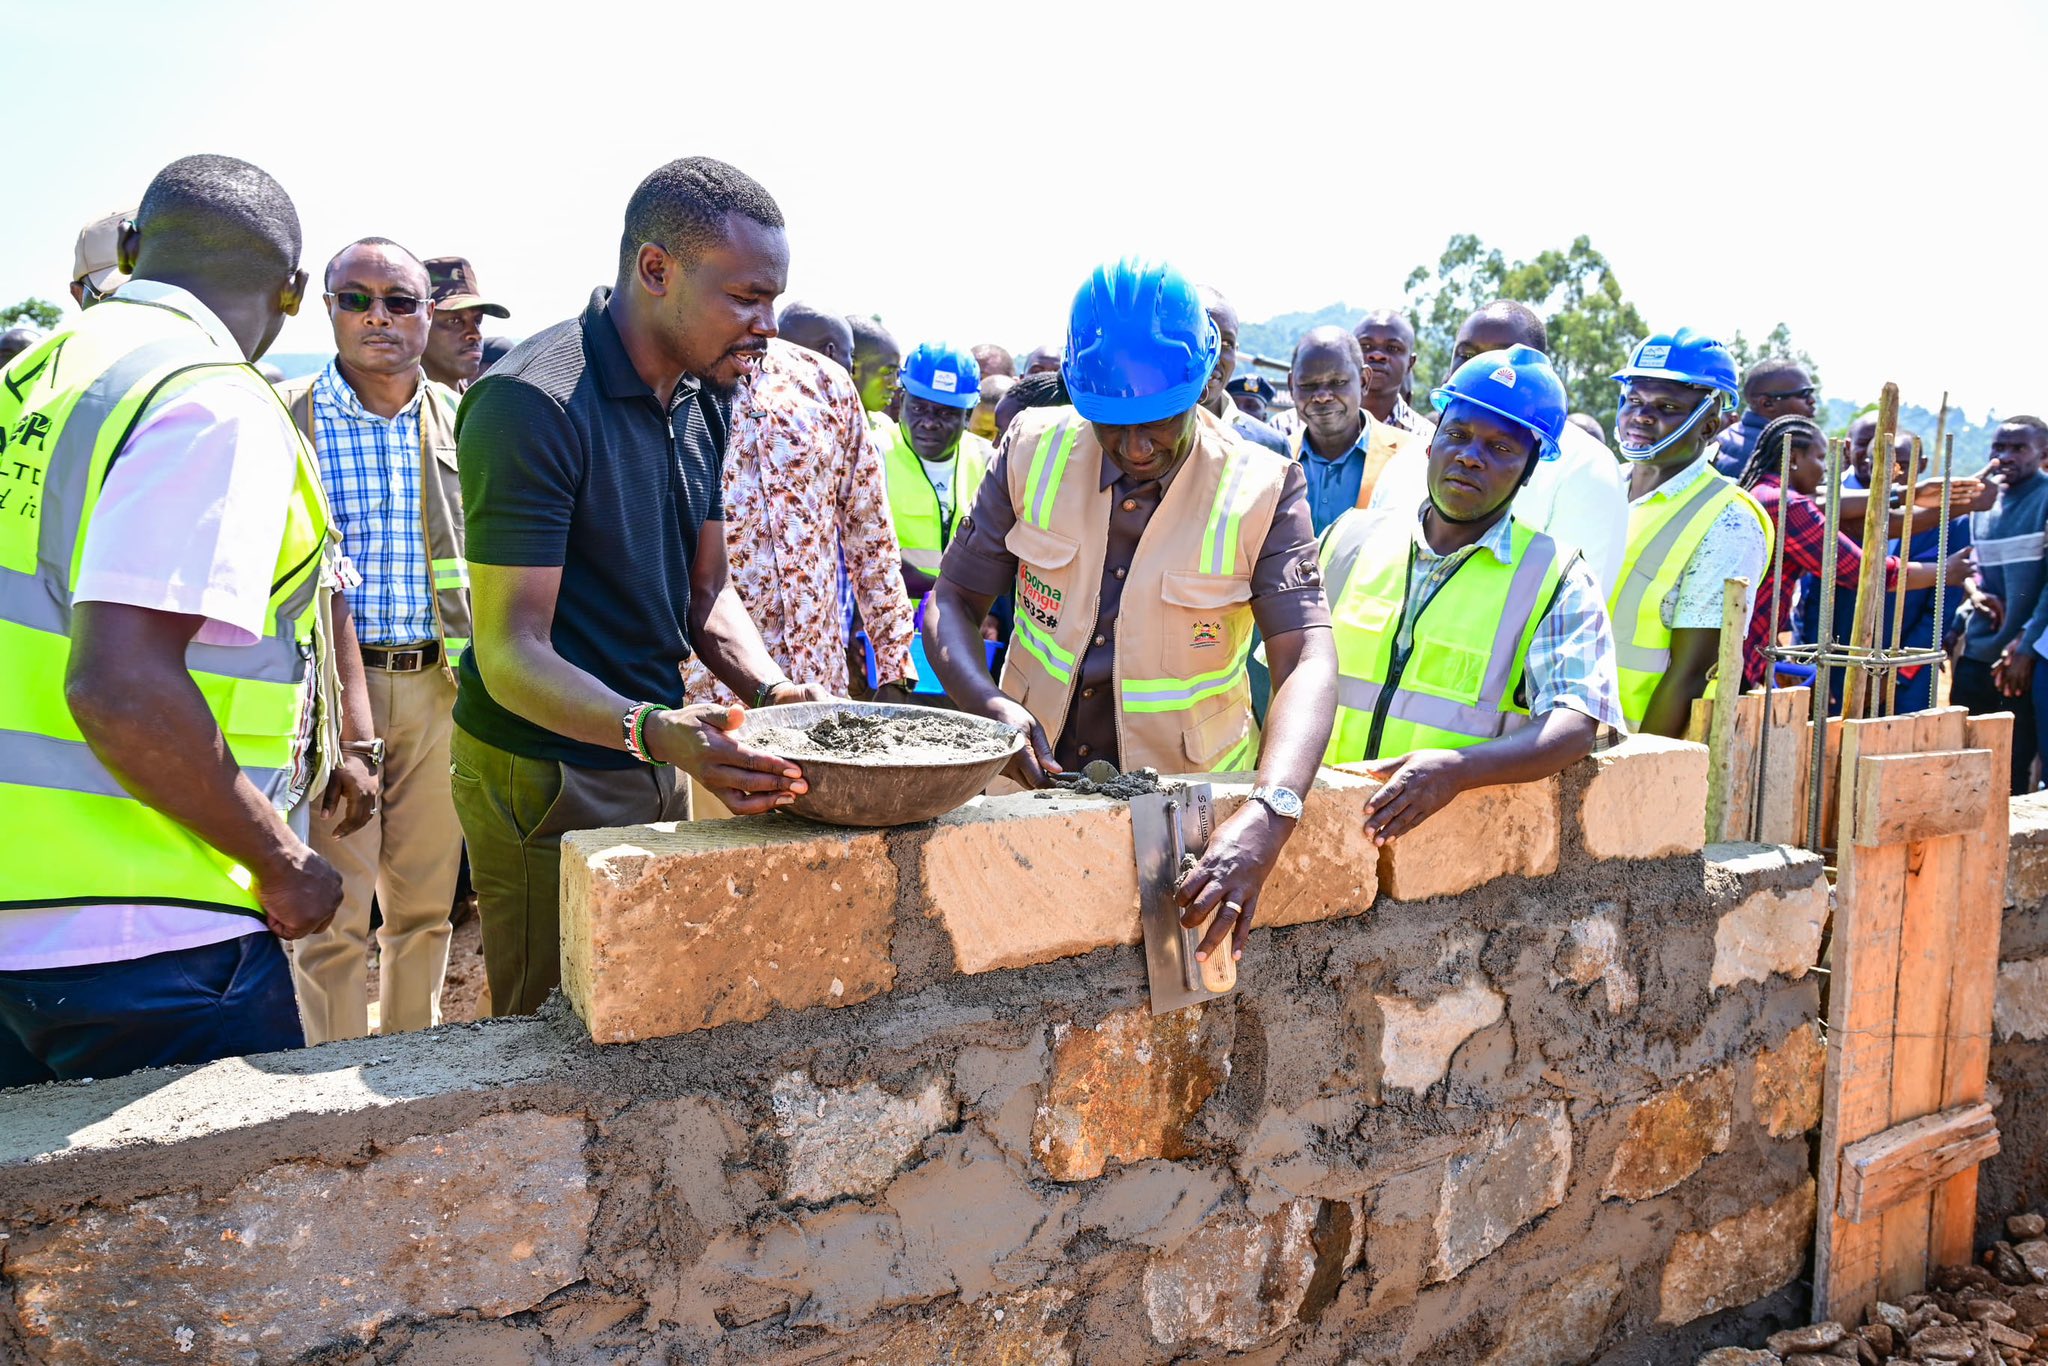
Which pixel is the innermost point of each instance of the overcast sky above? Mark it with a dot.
(1871, 174)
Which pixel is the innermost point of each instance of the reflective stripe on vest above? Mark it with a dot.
(84, 391)
(922, 533)
(1663, 537)
(1048, 467)
(1485, 611)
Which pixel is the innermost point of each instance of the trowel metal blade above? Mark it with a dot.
(1163, 826)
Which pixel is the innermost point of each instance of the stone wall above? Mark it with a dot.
(1535, 1085)
(2017, 1178)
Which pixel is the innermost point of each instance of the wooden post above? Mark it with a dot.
(1721, 745)
(1870, 580)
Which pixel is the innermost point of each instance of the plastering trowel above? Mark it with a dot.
(1165, 826)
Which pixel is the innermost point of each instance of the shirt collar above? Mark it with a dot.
(1358, 447)
(338, 391)
(1499, 538)
(1679, 482)
(607, 352)
(181, 301)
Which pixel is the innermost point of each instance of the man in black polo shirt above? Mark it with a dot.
(590, 482)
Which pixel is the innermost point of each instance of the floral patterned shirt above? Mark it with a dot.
(803, 489)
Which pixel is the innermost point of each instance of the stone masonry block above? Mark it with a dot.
(2026, 872)
(852, 1140)
(1019, 880)
(1236, 1282)
(1772, 930)
(1486, 833)
(2020, 1010)
(1786, 1092)
(1645, 799)
(1739, 1260)
(488, 1220)
(1562, 1323)
(1671, 1135)
(673, 927)
(1418, 1039)
(1125, 1090)
(1517, 1169)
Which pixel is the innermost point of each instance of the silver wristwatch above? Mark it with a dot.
(1281, 801)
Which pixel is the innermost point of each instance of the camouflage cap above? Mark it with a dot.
(455, 287)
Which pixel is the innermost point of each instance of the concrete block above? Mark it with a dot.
(1329, 868)
(1787, 1089)
(1646, 799)
(490, 1219)
(2020, 1010)
(1772, 930)
(1019, 880)
(2026, 871)
(675, 927)
(1561, 1324)
(1125, 1090)
(1486, 833)
(852, 1140)
(1238, 1281)
(1671, 1135)
(1418, 1039)
(1518, 1169)
(1739, 1260)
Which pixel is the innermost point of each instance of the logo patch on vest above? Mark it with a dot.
(1040, 601)
(1205, 635)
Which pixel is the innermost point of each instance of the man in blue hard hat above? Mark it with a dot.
(1419, 597)
(931, 463)
(1138, 495)
(1690, 528)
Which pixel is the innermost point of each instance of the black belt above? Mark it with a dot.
(402, 659)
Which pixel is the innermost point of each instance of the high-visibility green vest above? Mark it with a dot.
(1663, 534)
(66, 408)
(1457, 685)
(921, 532)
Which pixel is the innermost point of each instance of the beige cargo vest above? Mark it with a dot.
(1183, 699)
(440, 505)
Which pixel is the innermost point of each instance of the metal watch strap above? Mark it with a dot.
(1270, 798)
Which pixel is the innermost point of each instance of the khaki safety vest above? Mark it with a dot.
(440, 506)
(1384, 443)
(1458, 685)
(67, 407)
(1183, 700)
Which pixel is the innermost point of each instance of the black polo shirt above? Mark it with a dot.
(569, 460)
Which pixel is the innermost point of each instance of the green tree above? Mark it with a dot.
(1777, 343)
(40, 312)
(1592, 325)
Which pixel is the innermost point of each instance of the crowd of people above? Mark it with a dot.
(278, 651)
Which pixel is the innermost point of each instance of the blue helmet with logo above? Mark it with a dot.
(942, 373)
(1517, 384)
(1682, 357)
(1140, 345)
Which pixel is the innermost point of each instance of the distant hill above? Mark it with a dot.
(1973, 439)
(1274, 338)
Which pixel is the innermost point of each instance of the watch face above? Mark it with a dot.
(1284, 801)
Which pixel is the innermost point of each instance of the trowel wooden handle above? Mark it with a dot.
(1219, 969)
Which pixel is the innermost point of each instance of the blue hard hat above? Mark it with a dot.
(1517, 384)
(943, 373)
(1140, 345)
(1683, 357)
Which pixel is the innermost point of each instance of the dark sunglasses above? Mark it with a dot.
(356, 301)
(1785, 393)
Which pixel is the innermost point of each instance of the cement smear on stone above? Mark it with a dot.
(936, 737)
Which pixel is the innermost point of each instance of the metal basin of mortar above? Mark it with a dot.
(860, 791)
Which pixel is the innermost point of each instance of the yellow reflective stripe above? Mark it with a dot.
(455, 646)
(1238, 760)
(1058, 663)
(1042, 484)
(1176, 694)
(923, 561)
(1219, 538)
(451, 573)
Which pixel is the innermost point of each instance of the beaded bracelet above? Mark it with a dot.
(635, 723)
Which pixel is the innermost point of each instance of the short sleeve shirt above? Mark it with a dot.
(569, 460)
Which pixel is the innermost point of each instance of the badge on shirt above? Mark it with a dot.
(1205, 634)
(1306, 572)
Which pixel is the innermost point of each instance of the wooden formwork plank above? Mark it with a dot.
(1785, 759)
(1870, 893)
(1908, 1161)
(1728, 818)
(1919, 1023)
(1980, 907)
(1905, 797)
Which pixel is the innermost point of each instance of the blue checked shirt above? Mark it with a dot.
(1571, 657)
(371, 468)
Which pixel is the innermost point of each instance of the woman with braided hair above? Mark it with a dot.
(1801, 523)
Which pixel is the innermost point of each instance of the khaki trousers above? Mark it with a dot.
(514, 812)
(409, 855)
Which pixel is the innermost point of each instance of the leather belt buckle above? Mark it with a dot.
(405, 660)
